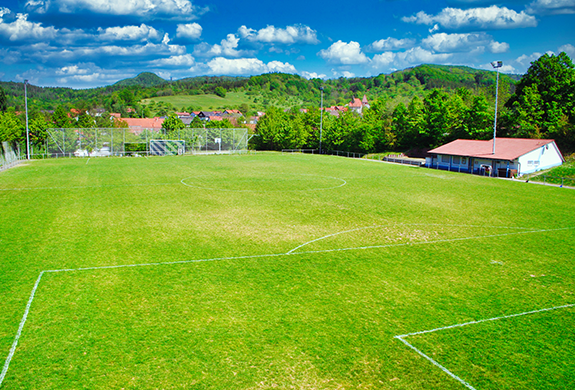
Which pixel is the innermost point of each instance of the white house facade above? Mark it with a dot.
(513, 156)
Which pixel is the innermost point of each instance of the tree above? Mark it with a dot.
(220, 91)
(11, 129)
(437, 118)
(172, 124)
(61, 118)
(544, 101)
(3, 101)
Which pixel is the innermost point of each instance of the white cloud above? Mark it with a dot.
(312, 75)
(171, 9)
(191, 31)
(552, 7)
(526, 60)
(281, 67)
(344, 53)
(390, 44)
(129, 33)
(226, 48)
(289, 35)
(493, 17)
(74, 70)
(414, 56)
(247, 66)
(22, 30)
(568, 49)
(498, 47)
(450, 43)
(184, 60)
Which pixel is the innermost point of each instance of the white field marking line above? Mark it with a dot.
(84, 187)
(417, 243)
(403, 336)
(436, 364)
(20, 328)
(183, 181)
(88, 161)
(290, 253)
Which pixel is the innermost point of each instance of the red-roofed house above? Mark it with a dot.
(138, 125)
(358, 105)
(512, 156)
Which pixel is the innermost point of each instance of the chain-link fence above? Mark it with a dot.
(9, 156)
(551, 180)
(92, 142)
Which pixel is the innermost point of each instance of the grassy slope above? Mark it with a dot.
(310, 320)
(212, 102)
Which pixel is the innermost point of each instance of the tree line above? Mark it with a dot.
(541, 106)
(408, 111)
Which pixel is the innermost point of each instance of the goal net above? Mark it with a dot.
(167, 147)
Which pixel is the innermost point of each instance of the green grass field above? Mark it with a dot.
(263, 271)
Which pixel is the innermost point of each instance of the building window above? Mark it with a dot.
(456, 160)
(444, 159)
(463, 160)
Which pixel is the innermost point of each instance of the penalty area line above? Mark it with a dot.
(289, 253)
(435, 363)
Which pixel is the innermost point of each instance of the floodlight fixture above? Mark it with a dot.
(497, 64)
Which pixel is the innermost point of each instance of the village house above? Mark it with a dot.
(512, 156)
(138, 125)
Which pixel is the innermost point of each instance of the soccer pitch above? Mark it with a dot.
(265, 271)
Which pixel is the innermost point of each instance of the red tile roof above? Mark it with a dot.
(505, 148)
(137, 125)
(355, 103)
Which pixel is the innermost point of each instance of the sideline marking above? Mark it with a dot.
(403, 336)
(88, 161)
(20, 328)
(83, 187)
(289, 253)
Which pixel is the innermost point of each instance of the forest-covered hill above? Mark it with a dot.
(266, 90)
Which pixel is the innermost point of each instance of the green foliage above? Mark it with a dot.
(3, 100)
(220, 91)
(543, 105)
(145, 79)
(172, 123)
(11, 129)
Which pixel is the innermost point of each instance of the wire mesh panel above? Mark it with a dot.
(9, 156)
(211, 140)
(91, 142)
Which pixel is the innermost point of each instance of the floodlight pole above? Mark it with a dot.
(320, 119)
(496, 65)
(27, 129)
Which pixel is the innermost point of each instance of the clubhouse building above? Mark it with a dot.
(512, 157)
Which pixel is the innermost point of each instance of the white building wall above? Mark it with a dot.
(545, 157)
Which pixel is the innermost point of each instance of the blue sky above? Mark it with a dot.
(89, 43)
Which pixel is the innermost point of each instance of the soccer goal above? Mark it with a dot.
(167, 147)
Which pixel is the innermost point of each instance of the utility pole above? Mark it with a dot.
(27, 129)
(320, 119)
